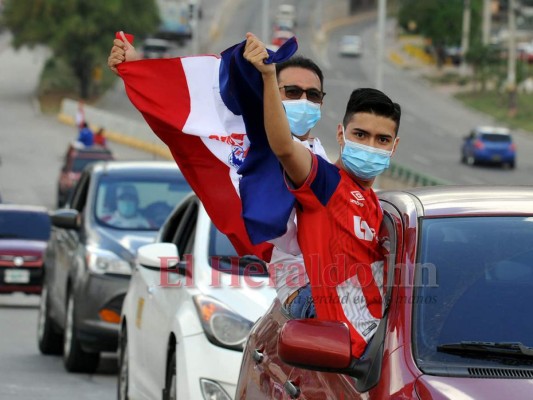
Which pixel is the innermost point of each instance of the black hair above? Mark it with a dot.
(372, 101)
(301, 62)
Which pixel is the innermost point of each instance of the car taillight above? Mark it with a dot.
(512, 147)
(478, 144)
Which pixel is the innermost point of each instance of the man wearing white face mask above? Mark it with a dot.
(300, 83)
(338, 213)
(127, 213)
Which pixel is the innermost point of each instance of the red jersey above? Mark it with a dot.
(338, 226)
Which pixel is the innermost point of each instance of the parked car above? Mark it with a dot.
(91, 252)
(489, 145)
(351, 45)
(24, 232)
(461, 263)
(184, 324)
(76, 158)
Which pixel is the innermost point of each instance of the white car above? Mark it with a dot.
(184, 324)
(350, 45)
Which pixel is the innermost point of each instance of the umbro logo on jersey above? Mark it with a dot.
(358, 198)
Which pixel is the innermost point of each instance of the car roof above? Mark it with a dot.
(493, 129)
(462, 200)
(23, 207)
(157, 42)
(138, 168)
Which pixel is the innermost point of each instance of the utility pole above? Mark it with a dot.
(511, 60)
(265, 17)
(382, 15)
(486, 22)
(193, 11)
(465, 38)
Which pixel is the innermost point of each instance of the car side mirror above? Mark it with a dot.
(326, 346)
(161, 256)
(66, 218)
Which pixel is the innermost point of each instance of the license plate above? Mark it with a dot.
(17, 276)
(496, 157)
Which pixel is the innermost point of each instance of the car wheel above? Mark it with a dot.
(49, 341)
(75, 358)
(171, 390)
(123, 366)
(470, 160)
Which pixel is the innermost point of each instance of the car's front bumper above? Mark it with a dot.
(197, 359)
(96, 293)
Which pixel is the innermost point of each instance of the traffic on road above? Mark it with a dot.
(85, 312)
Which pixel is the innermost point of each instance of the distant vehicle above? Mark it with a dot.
(89, 256)
(76, 159)
(158, 48)
(280, 37)
(24, 233)
(175, 21)
(461, 260)
(350, 45)
(184, 324)
(489, 145)
(286, 12)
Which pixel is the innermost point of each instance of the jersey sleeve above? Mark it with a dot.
(319, 186)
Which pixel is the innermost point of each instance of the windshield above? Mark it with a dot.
(24, 225)
(223, 257)
(138, 204)
(475, 280)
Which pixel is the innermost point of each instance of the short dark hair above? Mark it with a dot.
(301, 62)
(372, 101)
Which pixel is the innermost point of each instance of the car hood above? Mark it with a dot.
(119, 241)
(246, 300)
(441, 387)
(22, 247)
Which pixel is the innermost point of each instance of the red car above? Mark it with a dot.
(76, 159)
(24, 233)
(456, 324)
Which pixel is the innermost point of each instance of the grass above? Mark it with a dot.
(497, 105)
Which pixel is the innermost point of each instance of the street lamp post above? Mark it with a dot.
(382, 13)
(511, 59)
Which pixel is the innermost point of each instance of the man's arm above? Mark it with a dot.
(295, 159)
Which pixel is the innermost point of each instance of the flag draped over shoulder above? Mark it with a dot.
(194, 106)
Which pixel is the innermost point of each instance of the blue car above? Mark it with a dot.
(489, 145)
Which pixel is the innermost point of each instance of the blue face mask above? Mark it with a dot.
(365, 162)
(302, 115)
(127, 208)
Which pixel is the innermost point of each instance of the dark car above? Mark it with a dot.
(90, 254)
(77, 157)
(456, 322)
(24, 232)
(489, 145)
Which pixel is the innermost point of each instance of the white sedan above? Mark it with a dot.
(350, 45)
(185, 323)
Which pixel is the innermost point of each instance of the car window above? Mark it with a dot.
(155, 198)
(471, 277)
(78, 164)
(24, 225)
(78, 197)
(496, 138)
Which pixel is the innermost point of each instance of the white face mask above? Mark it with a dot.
(302, 115)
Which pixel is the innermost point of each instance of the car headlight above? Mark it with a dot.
(106, 262)
(222, 326)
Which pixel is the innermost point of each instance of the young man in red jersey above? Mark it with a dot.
(338, 213)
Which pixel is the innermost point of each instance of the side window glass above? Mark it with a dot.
(79, 196)
(186, 228)
(389, 244)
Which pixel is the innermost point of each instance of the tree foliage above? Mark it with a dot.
(80, 32)
(440, 20)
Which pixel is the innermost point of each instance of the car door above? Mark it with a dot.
(316, 385)
(66, 242)
(163, 293)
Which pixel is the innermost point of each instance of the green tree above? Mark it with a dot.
(79, 32)
(440, 20)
